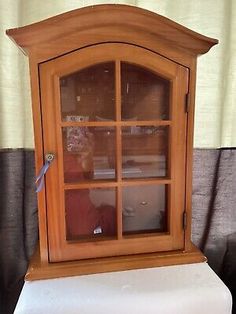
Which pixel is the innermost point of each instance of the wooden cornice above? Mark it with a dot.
(104, 23)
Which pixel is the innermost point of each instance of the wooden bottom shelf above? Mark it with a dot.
(38, 270)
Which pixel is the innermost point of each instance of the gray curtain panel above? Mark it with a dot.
(18, 222)
(214, 211)
(214, 203)
(214, 216)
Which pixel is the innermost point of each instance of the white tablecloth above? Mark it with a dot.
(183, 289)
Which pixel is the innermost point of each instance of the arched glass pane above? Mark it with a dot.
(145, 95)
(89, 95)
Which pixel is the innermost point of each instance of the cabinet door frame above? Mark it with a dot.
(50, 73)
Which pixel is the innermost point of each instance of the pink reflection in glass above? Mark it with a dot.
(90, 213)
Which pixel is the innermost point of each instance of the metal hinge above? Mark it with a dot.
(184, 220)
(187, 103)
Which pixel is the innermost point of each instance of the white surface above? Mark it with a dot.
(185, 289)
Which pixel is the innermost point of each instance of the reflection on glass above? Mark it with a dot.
(144, 151)
(144, 209)
(145, 96)
(90, 213)
(89, 153)
(89, 95)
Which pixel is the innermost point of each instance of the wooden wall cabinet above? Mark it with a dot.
(113, 99)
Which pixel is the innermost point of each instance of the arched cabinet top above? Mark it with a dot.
(105, 23)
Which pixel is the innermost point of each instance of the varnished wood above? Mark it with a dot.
(39, 158)
(112, 184)
(126, 246)
(179, 153)
(72, 42)
(119, 201)
(189, 152)
(37, 270)
(177, 157)
(104, 52)
(119, 207)
(50, 71)
(64, 28)
(119, 123)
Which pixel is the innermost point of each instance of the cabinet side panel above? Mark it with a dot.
(179, 155)
(38, 139)
(189, 156)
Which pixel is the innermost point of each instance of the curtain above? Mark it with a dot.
(214, 211)
(214, 229)
(18, 222)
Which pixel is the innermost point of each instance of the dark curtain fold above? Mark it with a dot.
(18, 222)
(214, 211)
(213, 229)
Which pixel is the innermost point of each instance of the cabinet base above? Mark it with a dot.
(38, 270)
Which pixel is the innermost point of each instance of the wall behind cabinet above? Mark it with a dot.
(216, 84)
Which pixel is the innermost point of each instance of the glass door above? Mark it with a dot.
(114, 116)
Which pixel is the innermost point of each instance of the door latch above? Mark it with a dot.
(49, 157)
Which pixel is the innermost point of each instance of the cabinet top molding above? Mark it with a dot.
(105, 23)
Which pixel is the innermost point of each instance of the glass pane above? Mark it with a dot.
(145, 95)
(89, 153)
(144, 151)
(89, 95)
(90, 213)
(144, 209)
